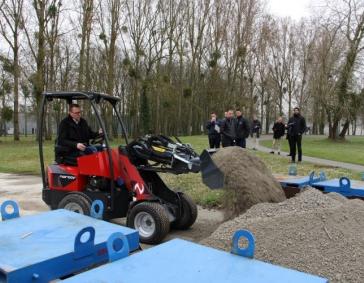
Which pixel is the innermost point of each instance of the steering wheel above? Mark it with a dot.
(99, 139)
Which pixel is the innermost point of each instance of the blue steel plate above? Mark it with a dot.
(296, 181)
(181, 261)
(36, 238)
(335, 183)
(356, 187)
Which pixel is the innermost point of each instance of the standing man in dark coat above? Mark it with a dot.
(242, 129)
(228, 130)
(74, 134)
(278, 133)
(296, 128)
(213, 129)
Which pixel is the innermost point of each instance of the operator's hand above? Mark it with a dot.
(101, 131)
(81, 146)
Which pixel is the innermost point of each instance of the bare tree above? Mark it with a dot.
(11, 11)
(348, 18)
(39, 54)
(87, 15)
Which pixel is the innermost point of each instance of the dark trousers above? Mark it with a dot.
(226, 141)
(214, 141)
(241, 142)
(296, 141)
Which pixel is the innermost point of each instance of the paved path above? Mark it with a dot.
(350, 166)
(27, 191)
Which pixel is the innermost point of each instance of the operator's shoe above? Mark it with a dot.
(279, 153)
(272, 152)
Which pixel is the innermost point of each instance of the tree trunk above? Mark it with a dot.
(16, 88)
(25, 117)
(87, 11)
(333, 130)
(344, 129)
(353, 130)
(39, 81)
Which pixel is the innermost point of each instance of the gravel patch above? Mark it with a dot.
(312, 232)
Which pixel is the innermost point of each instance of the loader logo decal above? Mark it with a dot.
(66, 179)
(138, 188)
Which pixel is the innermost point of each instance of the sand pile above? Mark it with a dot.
(312, 232)
(247, 181)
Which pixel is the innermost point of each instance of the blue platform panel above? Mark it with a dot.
(343, 186)
(180, 261)
(292, 181)
(44, 245)
(298, 181)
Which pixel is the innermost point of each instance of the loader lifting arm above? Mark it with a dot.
(159, 153)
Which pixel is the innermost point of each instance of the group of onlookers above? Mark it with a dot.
(234, 130)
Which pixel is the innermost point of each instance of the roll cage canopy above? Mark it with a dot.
(79, 95)
(94, 98)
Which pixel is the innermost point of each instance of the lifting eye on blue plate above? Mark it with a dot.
(345, 184)
(14, 207)
(323, 176)
(97, 209)
(245, 252)
(84, 243)
(117, 246)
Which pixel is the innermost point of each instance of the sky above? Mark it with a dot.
(296, 9)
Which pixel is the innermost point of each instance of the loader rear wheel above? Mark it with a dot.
(189, 213)
(79, 203)
(151, 221)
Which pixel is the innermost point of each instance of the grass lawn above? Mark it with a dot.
(351, 150)
(22, 157)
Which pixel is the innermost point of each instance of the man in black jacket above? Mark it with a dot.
(228, 130)
(278, 133)
(213, 128)
(242, 129)
(74, 134)
(296, 127)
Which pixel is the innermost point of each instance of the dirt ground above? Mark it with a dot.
(26, 190)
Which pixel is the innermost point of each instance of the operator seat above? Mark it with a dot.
(63, 156)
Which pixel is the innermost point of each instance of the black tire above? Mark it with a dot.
(189, 213)
(77, 202)
(150, 220)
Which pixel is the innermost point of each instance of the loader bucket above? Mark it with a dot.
(211, 175)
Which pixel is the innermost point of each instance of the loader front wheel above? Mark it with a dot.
(188, 215)
(150, 220)
(76, 202)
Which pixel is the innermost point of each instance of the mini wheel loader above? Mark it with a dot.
(124, 178)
